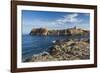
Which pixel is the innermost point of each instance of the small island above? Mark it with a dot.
(70, 31)
(68, 49)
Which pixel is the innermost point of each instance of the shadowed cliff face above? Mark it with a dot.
(70, 31)
(39, 31)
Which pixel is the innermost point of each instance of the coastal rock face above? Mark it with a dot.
(70, 31)
(39, 31)
(71, 50)
(77, 31)
(68, 50)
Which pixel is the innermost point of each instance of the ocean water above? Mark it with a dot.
(32, 45)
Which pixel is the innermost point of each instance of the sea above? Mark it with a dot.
(32, 44)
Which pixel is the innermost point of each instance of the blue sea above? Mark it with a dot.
(37, 44)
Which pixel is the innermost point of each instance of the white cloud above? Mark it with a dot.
(71, 18)
(87, 14)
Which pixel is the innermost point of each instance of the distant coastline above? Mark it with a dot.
(69, 31)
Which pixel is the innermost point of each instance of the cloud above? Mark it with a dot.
(87, 14)
(71, 18)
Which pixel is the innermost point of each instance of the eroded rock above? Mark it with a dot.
(70, 50)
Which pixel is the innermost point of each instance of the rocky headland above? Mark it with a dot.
(72, 49)
(69, 31)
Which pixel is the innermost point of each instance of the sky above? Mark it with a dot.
(53, 20)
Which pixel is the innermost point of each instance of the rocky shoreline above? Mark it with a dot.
(72, 49)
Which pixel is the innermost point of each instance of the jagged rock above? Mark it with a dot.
(39, 31)
(70, 50)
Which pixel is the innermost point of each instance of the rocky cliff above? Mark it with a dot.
(70, 31)
(39, 31)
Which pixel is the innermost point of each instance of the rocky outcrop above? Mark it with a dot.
(65, 50)
(70, 31)
(77, 31)
(71, 50)
(39, 31)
